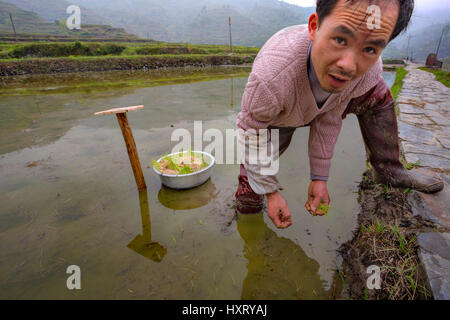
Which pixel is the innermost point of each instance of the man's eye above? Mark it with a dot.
(370, 50)
(340, 41)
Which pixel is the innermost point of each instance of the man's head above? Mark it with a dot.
(349, 35)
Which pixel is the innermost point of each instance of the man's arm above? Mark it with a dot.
(259, 108)
(323, 134)
(260, 180)
(253, 141)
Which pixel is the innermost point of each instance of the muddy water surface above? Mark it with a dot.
(68, 196)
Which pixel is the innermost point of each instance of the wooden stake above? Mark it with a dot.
(129, 142)
(14, 27)
(440, 39)
(231, 41)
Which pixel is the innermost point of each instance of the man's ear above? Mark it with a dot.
(313, 25)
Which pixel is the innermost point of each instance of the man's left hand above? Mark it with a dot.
(317, 194)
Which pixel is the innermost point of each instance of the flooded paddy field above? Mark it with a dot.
(68, 196)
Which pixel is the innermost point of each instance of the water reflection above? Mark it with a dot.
(78, 157)
(187, 199)
(37, 119)
(142, 243)
(113, 82)
(231, 93)
(277, 267)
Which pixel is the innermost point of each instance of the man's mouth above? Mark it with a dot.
(337, 81)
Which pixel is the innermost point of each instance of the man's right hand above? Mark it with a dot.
(317, 194)
(278, 211)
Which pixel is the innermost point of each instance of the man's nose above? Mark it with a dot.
(347, 62)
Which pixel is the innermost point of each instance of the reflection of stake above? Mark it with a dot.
(143, 244)
(121, 114)
(232, 94)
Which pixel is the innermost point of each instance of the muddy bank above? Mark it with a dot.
(386, 237)
(60, 65)
(391, 67)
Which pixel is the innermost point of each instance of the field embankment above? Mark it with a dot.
(386, 237)
(39, 58)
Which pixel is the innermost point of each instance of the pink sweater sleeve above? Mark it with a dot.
(323, 134)
(259, 105)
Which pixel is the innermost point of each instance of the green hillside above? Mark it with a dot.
(201, 21)
(423, 42)
(27, 22)
(206, 21)
(55, 10)
(426, 41)
(211, 26)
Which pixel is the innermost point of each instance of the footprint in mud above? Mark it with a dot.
(70, 213)
(13, 219)
(224, 212)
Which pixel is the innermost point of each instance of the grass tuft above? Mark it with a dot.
(398, 83)
(441, 75)
(387, 238)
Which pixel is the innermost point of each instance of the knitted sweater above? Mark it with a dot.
(278, 94)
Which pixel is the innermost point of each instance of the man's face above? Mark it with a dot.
(344, 47)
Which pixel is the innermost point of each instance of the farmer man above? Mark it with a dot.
(314, 75)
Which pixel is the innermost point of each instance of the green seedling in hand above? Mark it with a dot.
(323, 208)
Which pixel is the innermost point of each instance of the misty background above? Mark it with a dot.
(206, 21)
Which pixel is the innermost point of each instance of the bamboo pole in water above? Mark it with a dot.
(14, 27)
(231, 41)
(121, 114)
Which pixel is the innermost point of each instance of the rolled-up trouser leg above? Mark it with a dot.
(247, 201)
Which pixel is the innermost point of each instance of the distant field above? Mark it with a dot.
(57, 57)
(78, 49)
(49, 38)
(393, 61)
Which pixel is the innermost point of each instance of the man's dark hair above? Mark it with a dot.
(324, 8)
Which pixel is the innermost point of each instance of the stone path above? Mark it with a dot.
(424, 130)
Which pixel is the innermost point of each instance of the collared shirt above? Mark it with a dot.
(320, 95)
